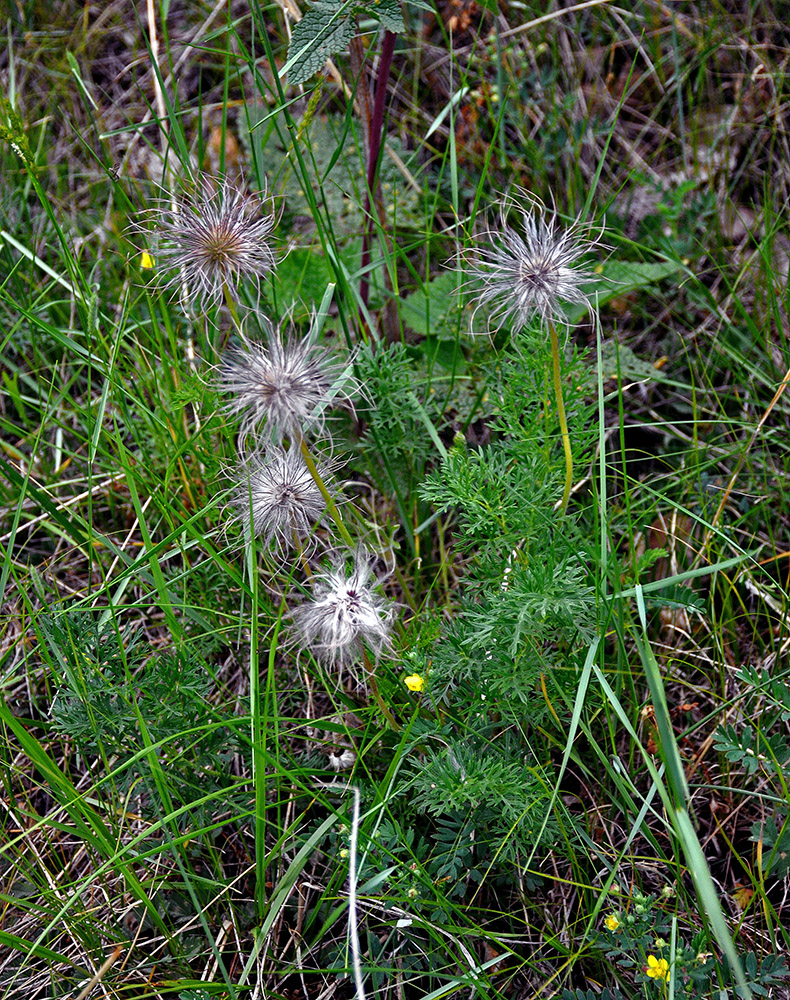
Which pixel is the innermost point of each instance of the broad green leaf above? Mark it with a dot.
(619, 277)
(326, 29)
(389, 14)
(301, 280)
(626, 276)
(426, 311)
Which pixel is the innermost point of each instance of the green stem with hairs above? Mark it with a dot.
(566, 438)
(374, 690)
(331, 506)
(234, 315)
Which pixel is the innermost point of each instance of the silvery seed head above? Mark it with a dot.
(280, 498)
(532, 271)
(345, 613)
(210, 239)
(286, 385)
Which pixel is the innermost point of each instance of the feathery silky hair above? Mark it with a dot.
(210, 238)
(530, 271)
(285, 385)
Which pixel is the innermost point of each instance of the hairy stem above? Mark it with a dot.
(331, 506)
(374, 690)
(566, 438)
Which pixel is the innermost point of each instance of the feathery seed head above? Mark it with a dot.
(212, 238)
(345, 613)
(286, 385)
(530, 272)
(282, 498)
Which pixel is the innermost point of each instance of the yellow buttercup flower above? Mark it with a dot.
(146, 261)
(657, 968)
(612, 922)
(414, 682)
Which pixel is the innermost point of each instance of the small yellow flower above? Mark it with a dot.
(146, 261)
(657, 968)
(612, 922)
(414, 682)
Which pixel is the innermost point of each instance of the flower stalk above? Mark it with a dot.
(331, 506)
(566, 438)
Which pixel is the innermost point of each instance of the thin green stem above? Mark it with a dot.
(331, 506)
(230, 302)
(374, 690)
(566, 438)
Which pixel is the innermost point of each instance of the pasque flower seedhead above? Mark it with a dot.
(531, 271)
(279, 497)
(285, 385)
(210, 239)
(345, 613)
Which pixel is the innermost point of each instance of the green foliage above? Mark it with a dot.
(112, 686)
(644, 930)
(526, 607)
(480, 785)
(774, 835)
(405, 411)
(393, 385)
(763, 977)
(430, 310)
(745, 747)
(327, 27)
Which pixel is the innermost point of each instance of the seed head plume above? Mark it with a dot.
(345, 613)
(530, 271)
(211, 239)
(285, 386)
(279, 497)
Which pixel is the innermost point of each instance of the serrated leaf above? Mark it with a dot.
(326, 28)
(388, 13)
(678, 596)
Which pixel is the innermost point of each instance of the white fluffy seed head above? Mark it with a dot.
(345, 613)
(530, 272)
(278, 496)
(210, 239)
(285, 386)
